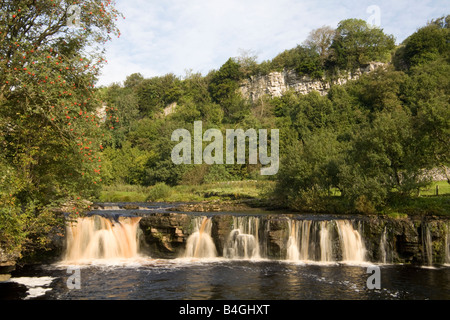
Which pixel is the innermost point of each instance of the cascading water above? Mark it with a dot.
(96, 237)
(112, 235)
(427, 245)
(299, 244)
(200, 244)
(243, 241)
(383, 246)
(293, 253)
(326, 246)
(353, 248)
(313, 241)
(447, 244)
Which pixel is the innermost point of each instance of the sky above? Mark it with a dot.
(177, 36)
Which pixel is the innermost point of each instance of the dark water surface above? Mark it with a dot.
(219, 279)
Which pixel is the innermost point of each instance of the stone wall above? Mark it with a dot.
(276, 83)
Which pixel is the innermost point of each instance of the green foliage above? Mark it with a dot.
(370, 139)
(51, 138)
(428, 43)
(159, 191)
(304, 61)
(356, 44)
(223, 88)
(156, 93)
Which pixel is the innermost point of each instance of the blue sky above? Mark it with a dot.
(173, 36)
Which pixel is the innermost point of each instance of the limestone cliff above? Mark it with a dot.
(276, 83)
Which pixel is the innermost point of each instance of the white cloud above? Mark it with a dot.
(159, 37)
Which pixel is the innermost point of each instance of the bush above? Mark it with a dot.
(159, 191)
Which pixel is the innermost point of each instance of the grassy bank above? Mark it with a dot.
(426, 204)
(229, 190)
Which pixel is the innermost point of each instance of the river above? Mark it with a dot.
(181, 279)
(103, 261)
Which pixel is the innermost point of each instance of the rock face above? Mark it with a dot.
(8, 261)
(406, 240)
(276, 83)
(164, 235)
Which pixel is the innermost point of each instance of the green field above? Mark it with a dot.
(229, 190)
(443, 186)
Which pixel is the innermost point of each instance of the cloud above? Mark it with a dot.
(160, 37)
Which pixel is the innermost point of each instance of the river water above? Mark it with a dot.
(148, 279)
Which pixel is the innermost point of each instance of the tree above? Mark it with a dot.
(427, 92)
(154, 94)
(223, 88)
(51, 136)
(133, 80)
(356, 44)
(304, 60)
(427, 43)
(247, 59)
(320, 40)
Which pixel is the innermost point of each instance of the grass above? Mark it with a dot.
(123, 193)
(424, 205)
(427, 203)
(444, 189)
(219, 191)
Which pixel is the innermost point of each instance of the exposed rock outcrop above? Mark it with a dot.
(8, 261)
(276, 83)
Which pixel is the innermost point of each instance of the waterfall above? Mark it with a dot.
(313, 241)
(427, 245)
(97, 237)
(326, 246)
(298, 247)
(447, 244)
(292, 246)
(353, 248)
(243, 241)
(385, 252)
(200, 244)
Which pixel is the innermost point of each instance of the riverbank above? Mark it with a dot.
(248, 195)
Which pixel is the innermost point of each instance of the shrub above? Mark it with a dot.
(159, 191)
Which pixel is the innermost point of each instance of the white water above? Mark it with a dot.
(353, 249)
(427, 245)
(200, 244)
(36, 286)
(115, 208)
(326, 247)
(385, 249)
(313, 241)
(293, 253)
(95, 237)
(243, 241)
(299, 240)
